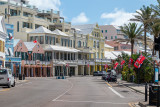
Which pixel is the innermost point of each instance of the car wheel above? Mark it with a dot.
(9, 85)
(13, 84)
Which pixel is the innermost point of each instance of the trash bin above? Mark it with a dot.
(153, 91)
(20, 77)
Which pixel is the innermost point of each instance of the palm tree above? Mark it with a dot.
(132, 31)
(145, 17)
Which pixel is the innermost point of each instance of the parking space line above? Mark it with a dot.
(4, 90)
(108, 84)
(130, 104)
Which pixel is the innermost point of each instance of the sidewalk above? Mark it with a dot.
(136, 87)
(20, 81)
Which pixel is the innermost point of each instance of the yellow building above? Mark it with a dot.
(26, 18)
(3, 36)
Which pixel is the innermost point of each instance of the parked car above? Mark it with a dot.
(111, 78)
(6, 78)
(95, 73)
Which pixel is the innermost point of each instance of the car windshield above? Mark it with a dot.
(3, 71)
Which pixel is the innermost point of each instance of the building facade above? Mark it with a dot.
(12, 62)
(111, 32)
(3, 35)
(26, 18)
(34, 62)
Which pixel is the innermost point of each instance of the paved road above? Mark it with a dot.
(72, 92)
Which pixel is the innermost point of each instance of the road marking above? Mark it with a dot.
(64, 92)
(4, 90)
(130, 104)
(88, 102)
(108, 84)
(116, 92)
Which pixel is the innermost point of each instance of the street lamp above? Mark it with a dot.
(101, 64)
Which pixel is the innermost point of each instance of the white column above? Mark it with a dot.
(53, 71)
(59, 55)
(82, 69)
(76, 71)
(52, 54)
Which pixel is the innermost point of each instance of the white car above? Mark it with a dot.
(6, 78)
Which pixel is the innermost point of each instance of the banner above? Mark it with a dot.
(106, 66)
(139, 61)
(115, 65)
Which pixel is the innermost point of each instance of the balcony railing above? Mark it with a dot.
(28, 62)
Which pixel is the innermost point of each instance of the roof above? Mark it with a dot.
(2, 25)
(41, 29)
(108, 46)
(84, 29)
(30, 45)
(15, 42)
(58, 32)
(115, 54)
(60, 48)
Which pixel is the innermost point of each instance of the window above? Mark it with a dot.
(46, 38)
(115, 37)
(13, 12)
(106, 37)
(71, 43)
(65, 42)
(74, 44)
(56, 40)
(26, 14)
(97, 55)
(94, 45)
(79, 44)
(106, 31)
(18, 26)
(5, 13)
(97, 44)
(50, 40)
(116, 48)
(53, 40)
(83, 43)
(102, 31)
(41, 40)
(111, 37)
(61, 42)
(68, 43)
(25, 24)
(31, 38)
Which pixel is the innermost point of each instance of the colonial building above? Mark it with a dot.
(26, 18)
(3, 36)
(111, 32)
(34, 62)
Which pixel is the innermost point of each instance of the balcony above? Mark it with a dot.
(28, 62)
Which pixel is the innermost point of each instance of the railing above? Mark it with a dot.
(28, 62)
(65, 61)
(13, 59)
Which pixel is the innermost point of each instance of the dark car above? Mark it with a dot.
(111, 78)
(95, 73)
(101, 73)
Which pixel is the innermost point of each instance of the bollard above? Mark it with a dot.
(158, 97)
(146, 92)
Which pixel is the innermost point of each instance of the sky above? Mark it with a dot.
(110, 12)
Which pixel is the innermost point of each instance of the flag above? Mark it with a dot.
(122, 62)
(139, 61)
(130, 62)
(115, 65)
(67, 65)
(88, 65)
(35, 41)
(105, 66)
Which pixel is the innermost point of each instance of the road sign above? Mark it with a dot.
(0, 62)
(156, 74)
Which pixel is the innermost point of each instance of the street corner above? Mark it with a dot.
(21, 81)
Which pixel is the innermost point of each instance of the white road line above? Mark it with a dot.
(116, 92)
(88, 102)
(64, 92)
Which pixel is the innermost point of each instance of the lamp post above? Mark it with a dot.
(101, 64)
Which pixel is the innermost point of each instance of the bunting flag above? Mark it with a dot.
(115, 65)
(67, 65)
(106, 66)
(88, 65)
(35, 41)
(122, 62)
(139, 61)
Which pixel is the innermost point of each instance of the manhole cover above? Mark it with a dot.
(125, 91)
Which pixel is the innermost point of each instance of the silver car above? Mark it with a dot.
(6, 78)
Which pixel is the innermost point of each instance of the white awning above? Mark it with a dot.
(60, 48)
(11, 52)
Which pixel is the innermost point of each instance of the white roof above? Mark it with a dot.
(115, 54)
(60, 48)
(15, 42)
(108, 46)
(42, 29)
(58, 32)
(30, 45)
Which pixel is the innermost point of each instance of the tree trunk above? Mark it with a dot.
(145, 42)
(132, 47)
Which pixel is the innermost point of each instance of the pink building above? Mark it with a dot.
(111, 32)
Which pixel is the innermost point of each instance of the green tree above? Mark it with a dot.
(145, 16)
(132, 31)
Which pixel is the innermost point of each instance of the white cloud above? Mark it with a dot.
(81, 18)
(46, 4)
(118, 17)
